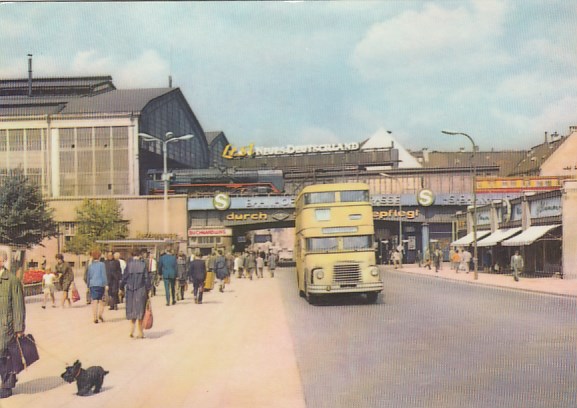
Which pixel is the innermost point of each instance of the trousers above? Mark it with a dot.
(169, 288)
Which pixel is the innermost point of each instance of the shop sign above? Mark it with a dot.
(483, 217)
(408, 214)
(221, 201)
(209, 232)
(260, 216)
(304, 149)
(547, 207)
(426, 198)
(516, 212)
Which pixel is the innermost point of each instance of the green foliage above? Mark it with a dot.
(25, 218)
(95, 221)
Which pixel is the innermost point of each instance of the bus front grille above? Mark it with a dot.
(347, 272)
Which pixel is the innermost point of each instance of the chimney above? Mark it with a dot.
(546, 141)
(29, 74)
(170, 81)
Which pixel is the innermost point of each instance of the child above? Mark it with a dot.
(48, 286)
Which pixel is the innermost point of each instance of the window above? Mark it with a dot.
(322, 244)
(320, 198)
(362, 242)
(355, 196)
(323, 214)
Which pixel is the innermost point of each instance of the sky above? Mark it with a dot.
(315, 72)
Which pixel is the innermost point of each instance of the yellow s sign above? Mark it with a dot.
(221, 201)
(426, 198)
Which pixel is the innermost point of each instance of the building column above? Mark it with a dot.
(424, 238)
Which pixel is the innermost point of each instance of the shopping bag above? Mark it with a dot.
(22, 352)
(148, 319)
(75, 293)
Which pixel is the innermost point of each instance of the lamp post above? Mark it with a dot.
(400, 210)
(475, 251)
(168, 138)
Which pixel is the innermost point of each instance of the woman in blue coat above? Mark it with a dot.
(135, 284)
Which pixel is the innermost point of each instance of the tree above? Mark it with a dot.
(25, 218)
(96, 220)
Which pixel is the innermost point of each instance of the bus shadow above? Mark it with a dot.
(346, 299)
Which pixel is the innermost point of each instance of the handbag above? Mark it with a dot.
(75, 293)
(23, 352)
(148, 319)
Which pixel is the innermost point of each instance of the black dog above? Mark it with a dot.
(85, 379)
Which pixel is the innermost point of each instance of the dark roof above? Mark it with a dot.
(212, 136)
(114, 101)
(71, 86)
(531, 163)
(505, 160)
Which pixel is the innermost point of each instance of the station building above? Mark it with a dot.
(79, 137)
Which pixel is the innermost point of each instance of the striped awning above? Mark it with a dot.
(498, 236)
(530, 235)
(468, 239)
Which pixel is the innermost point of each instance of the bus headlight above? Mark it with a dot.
(319, 273)
(374, 271)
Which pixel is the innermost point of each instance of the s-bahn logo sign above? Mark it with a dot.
(221, 201)
(426, 198)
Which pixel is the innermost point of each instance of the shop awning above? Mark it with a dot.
(529, 236)
(498, 236)
(468, 239)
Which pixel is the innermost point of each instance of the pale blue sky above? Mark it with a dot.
(278, 73)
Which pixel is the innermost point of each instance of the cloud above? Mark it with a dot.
(147, 70)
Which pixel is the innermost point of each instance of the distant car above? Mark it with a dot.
(285, 256)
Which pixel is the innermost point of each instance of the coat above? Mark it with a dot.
(167, 266)
(113, 273)
(96, 275)
(66, 275)
(135, 284)
(12, 308)
(220, 267)
(197, 270)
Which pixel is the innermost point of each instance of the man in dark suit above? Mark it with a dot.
(197, 275)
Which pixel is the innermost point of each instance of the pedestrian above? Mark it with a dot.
(97, 283)
(466, 258)
(221, 269)
(65, 277)
(259, 266)
(167, 266)
(181, 274)
(151, 265)
(13, 316)
(48, 286)
(197, 275)
(113, 275)
(250, 264)
(136, 285)
(437, 257)
(427, 258)
(272, 261)
(517, 265)
(419, 258)
(239, 266)
(455, 260)
(397, 259)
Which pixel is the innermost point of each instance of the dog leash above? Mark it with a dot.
(54, 356)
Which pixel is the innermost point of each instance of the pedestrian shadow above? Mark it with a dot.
(157, 334)
(39, 385)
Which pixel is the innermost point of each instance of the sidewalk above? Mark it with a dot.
(552, 285)
(234, 350)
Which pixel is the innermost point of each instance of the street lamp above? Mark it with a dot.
(400, 210)
(475, 252)
(168, 138)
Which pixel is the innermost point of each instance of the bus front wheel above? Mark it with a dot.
(372, 297)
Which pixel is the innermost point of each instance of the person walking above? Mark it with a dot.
(455, 260)
(221, 269)
(48, 286)
(272, 261)
(181, 274)
(65, 277)
(259, 266)
(136, 284)
(437, 257)
(197, 275)
(238, 266)
(517, 265)
(250, 264)
(151, 265)
(97, 283)
(466, 258)
(167, 266)
(113, 275)
(427, 258)
(13, 313)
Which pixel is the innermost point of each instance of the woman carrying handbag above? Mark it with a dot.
(136, 285)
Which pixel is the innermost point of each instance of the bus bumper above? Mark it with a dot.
(345, 288)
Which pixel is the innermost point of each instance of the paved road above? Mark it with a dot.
(436, 343)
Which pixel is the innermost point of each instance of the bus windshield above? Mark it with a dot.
(331, 244)
(361, 242)
(355, 196)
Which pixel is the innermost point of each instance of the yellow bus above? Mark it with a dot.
(334, 242)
